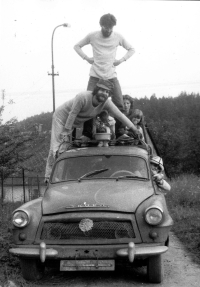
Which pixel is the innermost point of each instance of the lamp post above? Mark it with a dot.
(52, 66)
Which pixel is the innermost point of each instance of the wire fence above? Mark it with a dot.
(21, 189)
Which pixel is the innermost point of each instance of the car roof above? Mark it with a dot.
(111, 150)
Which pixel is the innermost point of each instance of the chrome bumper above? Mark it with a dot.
(131, 251)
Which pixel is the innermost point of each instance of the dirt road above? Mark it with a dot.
(178, 266)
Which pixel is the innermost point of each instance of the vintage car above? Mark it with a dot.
(100, 207)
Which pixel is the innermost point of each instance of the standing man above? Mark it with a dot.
(104, 44)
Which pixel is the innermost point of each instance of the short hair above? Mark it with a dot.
(95, 91)
(108, 20)
(103, 113)
(130, 99)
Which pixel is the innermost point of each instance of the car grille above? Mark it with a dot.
(100, 230)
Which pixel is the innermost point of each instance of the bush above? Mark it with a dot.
(184, 206)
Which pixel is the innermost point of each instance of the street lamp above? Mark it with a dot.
(52, 66)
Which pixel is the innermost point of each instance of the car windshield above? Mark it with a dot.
(100, 166)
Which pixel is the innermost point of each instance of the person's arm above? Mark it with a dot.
(95, 126)
(161, 183)
(126, 46)
(78, 48)
(76, 108)
(112, 122)
(164, 185)
(142, 133)
(116, 113)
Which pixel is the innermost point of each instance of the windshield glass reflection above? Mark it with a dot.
(112, 167)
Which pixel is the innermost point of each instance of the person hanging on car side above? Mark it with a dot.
(157, 170)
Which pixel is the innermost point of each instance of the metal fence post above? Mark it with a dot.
(12, 190)
(38, 182)
(24, 191)
(2, 187)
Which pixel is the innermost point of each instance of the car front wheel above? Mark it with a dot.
(155, 269)
(32, 269)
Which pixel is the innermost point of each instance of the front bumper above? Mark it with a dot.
(130, 251)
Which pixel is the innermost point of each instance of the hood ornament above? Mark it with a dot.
(87, 205)
(86, 224)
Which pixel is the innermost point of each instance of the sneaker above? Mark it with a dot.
(84, 139)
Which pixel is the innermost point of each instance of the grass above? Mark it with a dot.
(184, 206)
(9, 265)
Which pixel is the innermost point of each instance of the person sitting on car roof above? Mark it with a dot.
(157, 170)
(104, 123)
(135, 115)
(73, 113)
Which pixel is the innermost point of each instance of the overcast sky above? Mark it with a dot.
(165, 35)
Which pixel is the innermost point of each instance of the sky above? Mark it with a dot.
(164, 34)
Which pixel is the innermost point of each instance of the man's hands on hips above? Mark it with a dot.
(89, 60)
(118, 62)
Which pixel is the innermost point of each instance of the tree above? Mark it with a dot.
(13, 147)
(174, 124)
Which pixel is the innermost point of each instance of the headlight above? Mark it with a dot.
(20, 219)
(153, 215)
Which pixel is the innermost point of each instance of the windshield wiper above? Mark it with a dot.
(88, 174)
(131, 176)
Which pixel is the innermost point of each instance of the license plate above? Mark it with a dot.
(87, 265)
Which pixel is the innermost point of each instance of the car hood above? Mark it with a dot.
(122, 195)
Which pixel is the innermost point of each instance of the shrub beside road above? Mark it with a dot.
(184, 206)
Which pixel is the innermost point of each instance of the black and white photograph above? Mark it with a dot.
(99, 143)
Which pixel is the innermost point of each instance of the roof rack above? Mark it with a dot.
(78, 143)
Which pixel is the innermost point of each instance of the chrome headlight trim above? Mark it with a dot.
(20, 218)
(153, 215)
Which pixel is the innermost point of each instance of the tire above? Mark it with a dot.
(32, 269)
(155, 270)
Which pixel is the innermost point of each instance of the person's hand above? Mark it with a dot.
(89, 60)
(136, 133)
(158, 177)
(118, 62)
(123, 131)
(65, 137)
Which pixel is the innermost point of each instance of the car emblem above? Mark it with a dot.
(86, 224)
(85, 204)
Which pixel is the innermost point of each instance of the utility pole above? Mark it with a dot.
(3, 96)
(52, 66)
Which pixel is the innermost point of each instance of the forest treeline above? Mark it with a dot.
(175, 126)
(174, 123)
